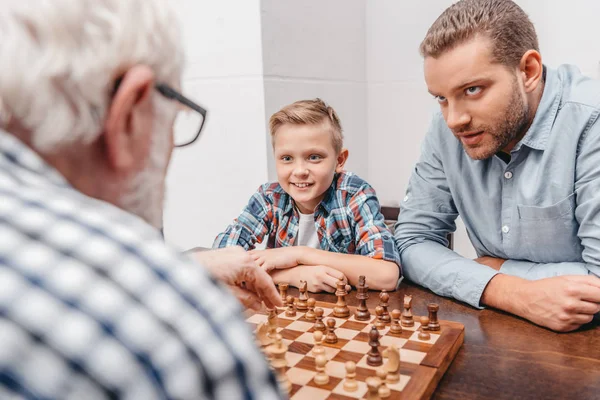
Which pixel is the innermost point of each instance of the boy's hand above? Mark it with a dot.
(280, 258)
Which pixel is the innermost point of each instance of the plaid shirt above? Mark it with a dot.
(348, 220)
(94, 305)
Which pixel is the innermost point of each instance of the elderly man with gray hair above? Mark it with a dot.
(93, 304)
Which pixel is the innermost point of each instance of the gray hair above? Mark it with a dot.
(60, 59)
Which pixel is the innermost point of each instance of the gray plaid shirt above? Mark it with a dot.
(93, 304)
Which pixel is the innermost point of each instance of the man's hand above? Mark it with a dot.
(561, 303)
(492, 262)
(319, 278)
(280, 258)
(250, 283)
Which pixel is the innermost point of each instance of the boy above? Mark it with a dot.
(322, 224)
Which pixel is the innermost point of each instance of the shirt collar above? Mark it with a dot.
(326, 203)
(539, 131)
(22, 157)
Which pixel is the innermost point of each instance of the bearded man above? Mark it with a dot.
(93, 304)
(515, 151)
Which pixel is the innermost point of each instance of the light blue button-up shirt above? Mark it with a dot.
(540, 212)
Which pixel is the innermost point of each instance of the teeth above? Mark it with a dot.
(301, 185)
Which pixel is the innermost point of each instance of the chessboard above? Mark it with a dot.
(422, 362)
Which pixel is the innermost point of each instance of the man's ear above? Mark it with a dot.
(129, 120)
(531, 69)
(341, 160)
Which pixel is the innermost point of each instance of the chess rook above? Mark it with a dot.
(362, 312)
(433, 309)
(283, 288)
(373, 385)
(341, 309)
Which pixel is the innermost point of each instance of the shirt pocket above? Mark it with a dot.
(549, 234)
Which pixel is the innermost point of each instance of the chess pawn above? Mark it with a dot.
(310, 314)
(384, 299)
(291, 311)
(423, 334)
(407, 317)
(283, 288)
(318, 347)
(321, 378)
(301, 304)
(384, 391)
(374, 358)
(379, 324)
(272, 322)
(350, 384)
(433, 309)
(277, 353)
(319, 325)
(373, 385)
(331, 338)
(362, 312)
(395, 327)
(341, 309)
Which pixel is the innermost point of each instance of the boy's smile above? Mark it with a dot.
(306, 162)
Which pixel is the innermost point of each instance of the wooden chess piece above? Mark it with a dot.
(379, 324)
(423, 334)
(407, 317)
(331, 338)
(283, 288)
(272, 322)
(277, 354)
(384, 299)
(319, 325)
(341, 309)
(350, 384)
(262, 334)
(374, 358)
(321, 378)
(384, 390)
(362, 312)
(318, 347)
(393, 365)
(373, 385)
(301, 304)
(291, 311)
(310, 314)
(434, 324)
(395, 327)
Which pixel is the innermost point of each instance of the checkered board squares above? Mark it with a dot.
(421, 360)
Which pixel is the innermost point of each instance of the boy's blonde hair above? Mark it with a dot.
(309, 112)
(502, 21)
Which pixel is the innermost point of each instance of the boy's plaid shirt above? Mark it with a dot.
(348, 220)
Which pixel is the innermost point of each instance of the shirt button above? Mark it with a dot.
(505, 229)
(508, 174)
(406, 198)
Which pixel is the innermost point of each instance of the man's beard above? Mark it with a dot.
(512, 123)
(145, 193)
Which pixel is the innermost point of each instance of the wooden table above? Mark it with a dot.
(505, 357)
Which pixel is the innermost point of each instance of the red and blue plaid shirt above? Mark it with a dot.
(348, 220)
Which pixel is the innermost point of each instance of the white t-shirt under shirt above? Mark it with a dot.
(307, 232)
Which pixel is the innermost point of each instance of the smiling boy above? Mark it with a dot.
(322, 224)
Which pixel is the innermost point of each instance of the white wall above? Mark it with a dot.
(209, 182)
(315, 48)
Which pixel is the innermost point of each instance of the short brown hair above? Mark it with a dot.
(503, 21)
(309, 112)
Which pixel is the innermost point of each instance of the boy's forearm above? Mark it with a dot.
(381, 274)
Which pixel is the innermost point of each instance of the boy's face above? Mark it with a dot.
(306, 162)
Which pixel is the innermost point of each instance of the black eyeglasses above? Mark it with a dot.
(188, 125)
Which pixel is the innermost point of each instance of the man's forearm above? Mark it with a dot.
(381, 274)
